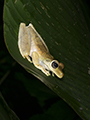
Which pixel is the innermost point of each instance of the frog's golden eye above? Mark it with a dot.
(54, 64)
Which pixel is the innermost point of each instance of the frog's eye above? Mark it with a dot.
(54, 64)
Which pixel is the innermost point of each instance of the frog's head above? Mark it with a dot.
(56, 68)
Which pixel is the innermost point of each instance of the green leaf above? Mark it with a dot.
(5, 112)
(64, 26)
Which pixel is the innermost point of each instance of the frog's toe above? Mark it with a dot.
(48, 73)
(53, 74)
(45, 72)
(28, 58)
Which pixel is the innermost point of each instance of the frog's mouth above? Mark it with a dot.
(60, 75)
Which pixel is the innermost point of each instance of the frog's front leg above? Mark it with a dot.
(35, 59)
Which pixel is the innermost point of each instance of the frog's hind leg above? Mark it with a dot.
(24, 42)
(35, 59)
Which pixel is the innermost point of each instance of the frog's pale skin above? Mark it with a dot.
(32, 45)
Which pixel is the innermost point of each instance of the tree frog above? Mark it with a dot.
(32, 45)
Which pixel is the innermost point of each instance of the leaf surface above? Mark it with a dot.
(64, 26)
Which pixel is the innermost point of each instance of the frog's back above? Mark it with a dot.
(37, 35)
(37, 46)
(36, 42)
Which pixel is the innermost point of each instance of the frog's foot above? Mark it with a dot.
(53, 74)
(28, 58)
(45, 72)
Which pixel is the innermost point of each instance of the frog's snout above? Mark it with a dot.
(61, 75)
